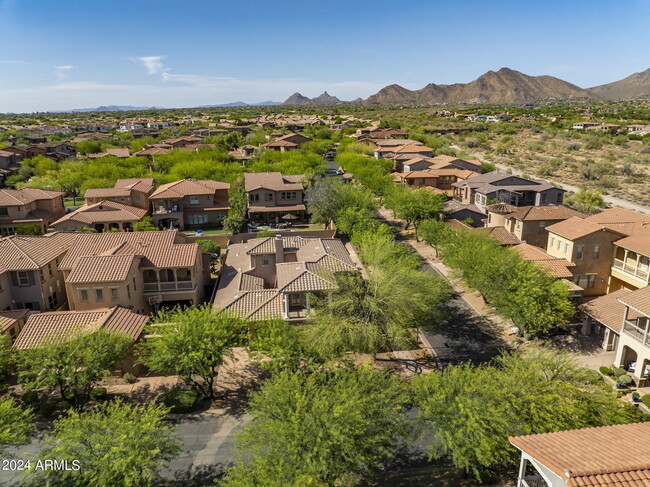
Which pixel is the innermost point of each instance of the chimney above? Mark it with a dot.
(279, 249)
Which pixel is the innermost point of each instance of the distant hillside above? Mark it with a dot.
(323, 99)
(111, 108)
(503, 86)
(636, 85)
(241, 104)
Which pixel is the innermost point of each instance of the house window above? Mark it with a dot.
(596, 251)
(269, 196)
(4, 211)
(552, 242)
(585, 281)
(53, 301)
(559, 244)
(114, 296)
(99, 295)
(194, 200)
(23, 278)
(643, 263)
(566, 248)
(579, 251)
(128, 291)
(134, 288)
(288, 195)
(253, 197)
(559, 197)
(265, 260)
(83, 293)
(198, 219)
(543, 197)
(49, 269)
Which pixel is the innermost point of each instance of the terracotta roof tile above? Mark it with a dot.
(43, 327)
(105, 211)
(188, 187)
(574, 228)
(639, 300)
(545, 213)
(22, 252)
(556, 267)
(19, 197)
(605, 456)
(105, 268)
(274, 181)
(9, 317)
(608, 309)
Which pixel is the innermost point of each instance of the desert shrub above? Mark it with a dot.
(646, 400)
(624, 380)
(605, 370)
(30, 398)
(592, 377)
(181, 400)
(574, 146)
(129, 378)
(99, 393)
(617, 371)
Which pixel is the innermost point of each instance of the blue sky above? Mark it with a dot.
(72, 54)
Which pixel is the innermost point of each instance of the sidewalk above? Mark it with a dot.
(473, 299)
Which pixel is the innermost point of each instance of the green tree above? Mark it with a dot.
(209, 247)
(234, 222)
(192, 343)
(473, 410)
(16, 424)
(73, 364)
(433, 232)
(114, 444)
(587, 201)
(145, 225)
(29, 229)
(321, 199)
(415, 205)
(325, 428)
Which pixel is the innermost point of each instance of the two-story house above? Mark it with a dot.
(439, 180)
(441, 162)
(498, 187)
(140, 271)
(287, 142)
(190, 203)
(611, 249)
(606, 456)
(528, 223)
(131, 192)
(29, 206)
(29, 273)
(274, 197)
(267, 278)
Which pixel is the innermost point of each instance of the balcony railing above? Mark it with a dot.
(534, 481)
(631, 270)
(161, 210)
(636, 332)
(171, 286)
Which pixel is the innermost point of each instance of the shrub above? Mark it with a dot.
(99, 393)
(646, 400)
(624, 380)
(181, 400)
(129, 378)
(617, 372)
(605, 370)
(47, 409)
(30, 398)
(592, 377)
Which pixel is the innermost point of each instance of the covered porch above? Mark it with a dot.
(168, 280)
(296, 306)
(277, 214)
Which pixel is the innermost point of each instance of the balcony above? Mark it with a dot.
(534, 481)
(639, 333)
(631, 270)
(163, 210)
(167, 287)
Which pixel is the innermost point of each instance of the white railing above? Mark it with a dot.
(156, 287)
(534, 481)
(630, 269)
(164, 211)
(636, 332)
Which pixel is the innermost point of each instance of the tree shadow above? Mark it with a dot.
(466, 336)
(195, 477)
(577, 343)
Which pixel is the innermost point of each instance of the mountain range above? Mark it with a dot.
(507, 86)
(323, 99)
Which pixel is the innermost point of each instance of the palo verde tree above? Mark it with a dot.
(72, 364)
(433, 232)
(192, 343)
(473, 410)
(414, 205)
(322, 200)
(115, 444)
(16, 423)
(234, 222)
(324, 428)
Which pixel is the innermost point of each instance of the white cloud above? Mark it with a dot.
(60, 71)
(153, 64)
